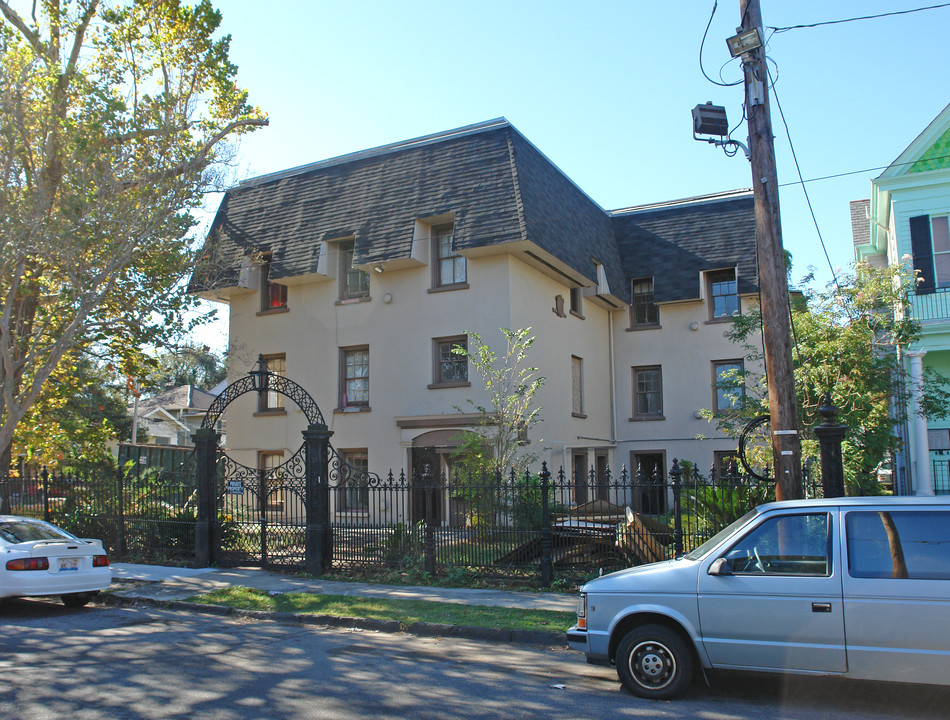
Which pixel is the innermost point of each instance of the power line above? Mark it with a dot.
(865, 170)
(702, 43)
(801, 179)
(855, 19)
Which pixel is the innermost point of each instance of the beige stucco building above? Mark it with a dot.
(355, 277)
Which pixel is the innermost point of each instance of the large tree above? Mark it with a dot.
(113, 123)
(847, 340)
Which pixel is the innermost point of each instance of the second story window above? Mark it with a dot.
(577, 302)
(450, 368)
(723, 298)
(729, 388)
(647, 393)
(354, 378)
(577, 387)
(450, 266)
(272, 400)
(354, 283)
(273, 295)
(644, 312)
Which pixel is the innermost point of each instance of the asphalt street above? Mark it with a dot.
(101, 662)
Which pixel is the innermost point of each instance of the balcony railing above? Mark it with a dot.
(931, 306)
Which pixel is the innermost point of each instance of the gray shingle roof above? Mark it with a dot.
(501, 190)
(860, 222)
(675, 242)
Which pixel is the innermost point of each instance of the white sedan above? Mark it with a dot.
(38, 558)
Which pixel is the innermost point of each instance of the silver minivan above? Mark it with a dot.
(853, 587)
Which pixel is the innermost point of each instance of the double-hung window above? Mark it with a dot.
(450, 368)
(354, 283)
(450, 267)
(930, 244)
(644, 312)
(273, 295)
(647, 393)
(577, 387)
(272, 400)
(354, 378)
(354, 485)
(723, 296)
(728, 387)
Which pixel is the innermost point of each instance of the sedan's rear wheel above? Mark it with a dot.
(75, 600)
(654, 662)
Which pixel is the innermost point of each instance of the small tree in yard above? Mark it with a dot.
(112, 122)
(497, 449)
(848, 340)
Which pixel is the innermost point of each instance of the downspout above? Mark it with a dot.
(613, 379)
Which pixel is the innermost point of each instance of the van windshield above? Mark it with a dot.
(697, 553)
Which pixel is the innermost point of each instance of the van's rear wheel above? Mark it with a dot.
(654, 662)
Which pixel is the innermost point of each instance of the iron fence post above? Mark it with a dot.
(830, 434)
(319, 533)
(675, 474)
(120, 535)
(44, 474)
(428, 484)
(546, 566)
(206, 535)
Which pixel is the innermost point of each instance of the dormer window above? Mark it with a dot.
(354, 283)
(644, 312)
(722, 294)
(450, 267)
(273, 295)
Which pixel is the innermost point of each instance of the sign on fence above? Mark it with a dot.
(235, 487)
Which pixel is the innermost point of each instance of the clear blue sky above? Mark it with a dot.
(604, 89)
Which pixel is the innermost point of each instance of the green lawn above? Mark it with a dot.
(406, 612)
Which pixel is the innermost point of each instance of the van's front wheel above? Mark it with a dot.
(653, 662)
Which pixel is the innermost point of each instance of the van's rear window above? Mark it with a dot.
(905, 544)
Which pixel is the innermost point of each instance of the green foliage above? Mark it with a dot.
(186, 364)
(511, 387)
(402, 547)
(716, 506)
(846, 342)
(80, 410)
(113, 121)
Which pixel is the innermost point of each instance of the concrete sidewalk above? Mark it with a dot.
(168, 583)
(169, 586)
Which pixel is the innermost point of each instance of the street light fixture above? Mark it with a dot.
(744, 42)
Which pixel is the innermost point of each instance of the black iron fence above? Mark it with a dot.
(141, 514)
(535, 527)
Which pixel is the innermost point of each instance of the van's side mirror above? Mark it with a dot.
(720, 567)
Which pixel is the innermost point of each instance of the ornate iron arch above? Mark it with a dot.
(261, 380)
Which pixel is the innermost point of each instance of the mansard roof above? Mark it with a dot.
(674, 242)
(499, 189)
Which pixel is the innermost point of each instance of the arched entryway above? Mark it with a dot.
(273, 514)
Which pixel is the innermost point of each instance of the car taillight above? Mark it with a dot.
(39, 563)
(100, 560)
(582, 612)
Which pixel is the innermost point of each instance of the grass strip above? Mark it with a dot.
(406, 612)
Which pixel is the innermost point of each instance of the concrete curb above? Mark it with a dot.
(422, 629)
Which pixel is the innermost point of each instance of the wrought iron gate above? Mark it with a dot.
(270, 516)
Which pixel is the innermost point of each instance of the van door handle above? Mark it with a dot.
(821, 607)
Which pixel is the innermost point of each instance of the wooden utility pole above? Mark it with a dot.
(773, 279)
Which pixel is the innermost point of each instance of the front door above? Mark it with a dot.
(421, 457)
(778, 603)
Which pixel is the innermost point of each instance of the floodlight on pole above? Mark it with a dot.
(745, 41)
